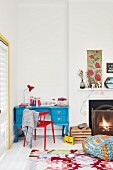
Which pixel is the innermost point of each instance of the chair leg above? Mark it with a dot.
(44, 138)
(34, 134)
(53, 132)
(24, 141)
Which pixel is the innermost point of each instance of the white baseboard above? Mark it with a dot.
(12, 139)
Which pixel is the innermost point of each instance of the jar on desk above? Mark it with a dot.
(38, 102)
(32, 101)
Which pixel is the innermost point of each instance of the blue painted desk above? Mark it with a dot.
(59, 116)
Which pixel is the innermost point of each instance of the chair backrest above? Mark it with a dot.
(42, 116)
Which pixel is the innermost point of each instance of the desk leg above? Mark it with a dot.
(22, 135)
(16, 134)
(63, 130)
(66, 130)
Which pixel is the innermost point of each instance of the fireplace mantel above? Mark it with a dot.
(96, 89)
(92, 94)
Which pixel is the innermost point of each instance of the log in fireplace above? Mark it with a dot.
(102, 120)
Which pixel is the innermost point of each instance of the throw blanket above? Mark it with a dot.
(29, 122)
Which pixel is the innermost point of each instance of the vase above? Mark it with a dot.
(82, 85)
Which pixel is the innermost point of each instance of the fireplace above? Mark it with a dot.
(102, 122)
(101, 117)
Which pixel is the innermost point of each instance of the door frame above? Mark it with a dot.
(5, 41)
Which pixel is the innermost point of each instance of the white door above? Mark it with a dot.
(3, 97)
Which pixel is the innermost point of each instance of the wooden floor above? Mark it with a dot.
(17, 157)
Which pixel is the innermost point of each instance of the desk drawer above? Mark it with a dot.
(18, 113)
(59, 119)
(60, 112)
(59, 115)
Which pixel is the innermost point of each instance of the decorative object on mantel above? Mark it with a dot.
(109, 67)
(80, 74)
(94, 68)
(109, 82)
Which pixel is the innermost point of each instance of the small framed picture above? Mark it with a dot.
(109, 82)
(109, 67)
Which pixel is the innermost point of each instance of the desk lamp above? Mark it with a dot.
(30, 88)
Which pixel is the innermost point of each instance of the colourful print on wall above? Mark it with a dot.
(94, 68)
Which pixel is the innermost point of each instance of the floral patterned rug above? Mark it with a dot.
(65, 160)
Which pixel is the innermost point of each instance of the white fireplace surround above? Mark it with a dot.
(92, 94)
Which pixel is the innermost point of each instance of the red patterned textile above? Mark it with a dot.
(66, 160)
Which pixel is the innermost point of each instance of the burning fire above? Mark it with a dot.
(105, 124)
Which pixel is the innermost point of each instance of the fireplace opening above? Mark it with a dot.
(102, 122)
(101, 117)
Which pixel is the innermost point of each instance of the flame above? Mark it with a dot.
(104, 123)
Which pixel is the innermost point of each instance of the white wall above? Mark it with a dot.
(43, 48)
(43, 43)
(8, 28)
(90, 27)
(42, 53)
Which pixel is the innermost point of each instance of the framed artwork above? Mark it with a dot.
(94, 68)
(109, 82)
(109, 67)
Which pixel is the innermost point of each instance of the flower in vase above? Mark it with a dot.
(80, 74)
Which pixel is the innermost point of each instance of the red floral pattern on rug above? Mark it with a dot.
(67, 160)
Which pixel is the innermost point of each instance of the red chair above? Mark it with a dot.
(43, 124)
